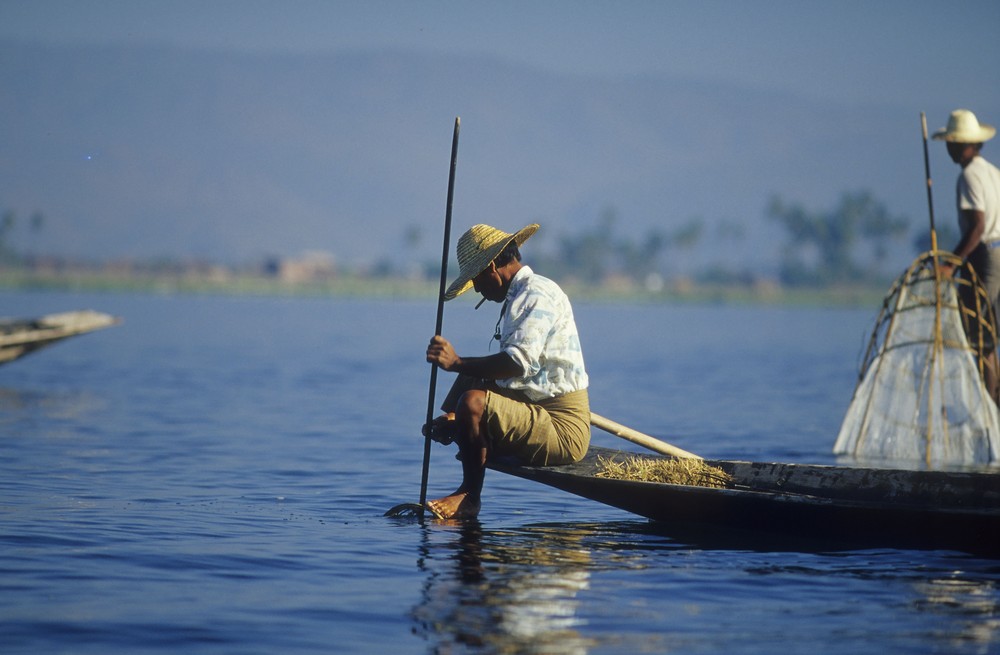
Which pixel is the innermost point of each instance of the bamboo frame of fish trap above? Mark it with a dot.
(930, 286)
(978, 316)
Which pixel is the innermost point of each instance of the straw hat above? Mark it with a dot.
(479, 246)
(963, 127)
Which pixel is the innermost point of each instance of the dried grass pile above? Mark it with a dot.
(693, 472)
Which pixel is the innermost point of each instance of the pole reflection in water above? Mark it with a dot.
(505, 591)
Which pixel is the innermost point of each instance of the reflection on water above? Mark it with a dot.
(540, 589)
(34, 405)
(972, 603)
(502, 591)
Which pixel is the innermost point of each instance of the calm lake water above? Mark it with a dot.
(211, 477)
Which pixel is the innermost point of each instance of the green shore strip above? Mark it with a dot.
(347, 286)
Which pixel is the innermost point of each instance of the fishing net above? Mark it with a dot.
(922, 393)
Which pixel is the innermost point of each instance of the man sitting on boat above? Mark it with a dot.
(530, 399)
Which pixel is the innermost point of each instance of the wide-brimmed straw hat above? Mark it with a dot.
(963, 127)
(479, 246)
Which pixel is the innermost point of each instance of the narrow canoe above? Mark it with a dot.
(868, 507)
(19, 337)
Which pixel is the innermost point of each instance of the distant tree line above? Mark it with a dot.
(845, 244)
(595, 255)
(9, 254)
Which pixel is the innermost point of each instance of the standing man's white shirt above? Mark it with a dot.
(978, 189)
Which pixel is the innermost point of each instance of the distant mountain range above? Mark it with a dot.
(149, 151)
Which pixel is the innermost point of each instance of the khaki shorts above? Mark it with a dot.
(543, 433)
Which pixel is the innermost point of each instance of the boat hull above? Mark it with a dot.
(835, 505)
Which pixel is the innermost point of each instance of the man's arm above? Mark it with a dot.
(970, 240)
(491, 367)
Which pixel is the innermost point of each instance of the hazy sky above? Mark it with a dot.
(860, 57)
(909, 52)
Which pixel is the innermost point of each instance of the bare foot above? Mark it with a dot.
(456, 506)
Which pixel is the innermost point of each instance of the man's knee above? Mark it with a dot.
(472, 404)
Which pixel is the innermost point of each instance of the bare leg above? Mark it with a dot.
(464, 502)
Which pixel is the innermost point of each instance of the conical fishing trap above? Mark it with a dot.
(923, 390)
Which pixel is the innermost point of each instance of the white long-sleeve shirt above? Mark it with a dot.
(539, 332)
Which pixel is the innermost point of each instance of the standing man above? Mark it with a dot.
(978, 201)
(530, 399)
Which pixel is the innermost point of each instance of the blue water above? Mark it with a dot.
(210, 477)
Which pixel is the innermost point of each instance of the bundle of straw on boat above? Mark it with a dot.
(686, 471)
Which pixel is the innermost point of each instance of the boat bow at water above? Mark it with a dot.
(19, 337)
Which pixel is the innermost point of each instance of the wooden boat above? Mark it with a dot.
(19, 337)
(827, 505)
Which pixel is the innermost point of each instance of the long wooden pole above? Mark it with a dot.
(639, 438)
(937, 354)
(927, 175)
(440, 310)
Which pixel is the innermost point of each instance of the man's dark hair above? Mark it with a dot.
(508, 254)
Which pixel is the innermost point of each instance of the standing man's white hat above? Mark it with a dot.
(964, 127)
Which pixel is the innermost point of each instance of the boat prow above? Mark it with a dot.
(19, 337)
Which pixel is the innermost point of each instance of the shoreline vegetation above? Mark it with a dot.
(228, 283)
(830, 258)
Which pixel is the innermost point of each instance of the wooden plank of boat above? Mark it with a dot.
(868, 506)
(18, 337)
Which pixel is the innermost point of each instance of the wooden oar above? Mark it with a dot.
(639, 438)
